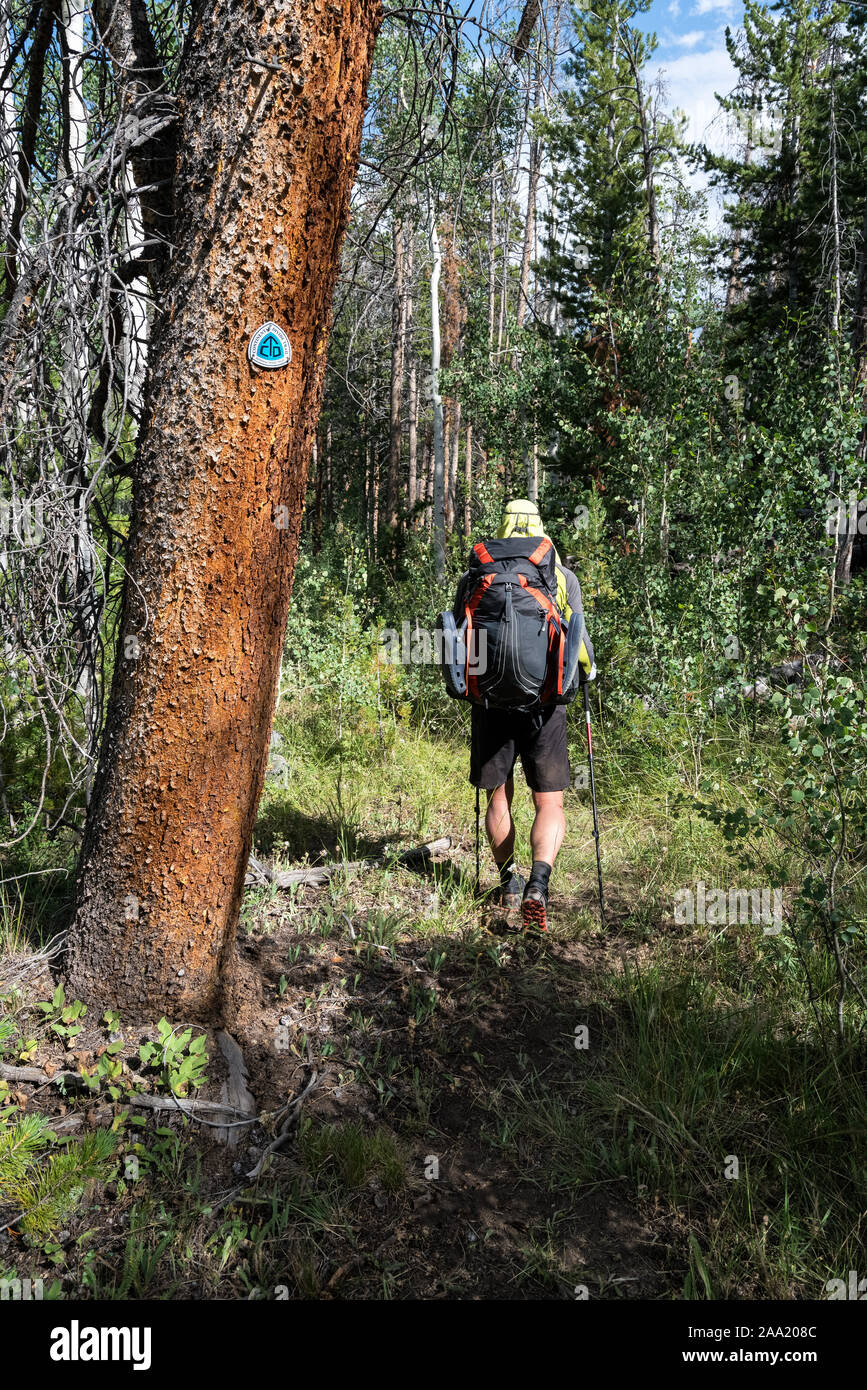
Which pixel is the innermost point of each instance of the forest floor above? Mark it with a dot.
(627, 1113)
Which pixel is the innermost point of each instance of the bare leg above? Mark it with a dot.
(546, 837)
(549, 827)
(499, 826)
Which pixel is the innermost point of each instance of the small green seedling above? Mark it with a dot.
(179, 1057)
(63, 1018)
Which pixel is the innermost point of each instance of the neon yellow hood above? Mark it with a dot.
(521, 518)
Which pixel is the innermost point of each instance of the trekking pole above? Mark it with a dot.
(593, 798)
(478, 870)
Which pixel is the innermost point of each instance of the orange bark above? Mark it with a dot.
(268, 152)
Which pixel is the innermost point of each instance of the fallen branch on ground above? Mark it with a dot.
(316, 877)
(293, 1114)
(235, 1090)
(193, 1108)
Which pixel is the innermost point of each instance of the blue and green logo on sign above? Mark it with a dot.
(269, 347)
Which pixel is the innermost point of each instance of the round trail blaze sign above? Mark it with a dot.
(269, 347)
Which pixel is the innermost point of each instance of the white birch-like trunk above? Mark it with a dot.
(75, 369)
(137, 323)
(8, 138)
(414, 490)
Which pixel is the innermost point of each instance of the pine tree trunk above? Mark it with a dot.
(267, 154)
(453, 456)
(398, 329)
(648, 162)
(413, 484)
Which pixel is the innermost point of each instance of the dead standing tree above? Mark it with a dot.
(271, 101)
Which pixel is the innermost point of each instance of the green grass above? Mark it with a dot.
(353, 1155)
(701, 1097)
(708, 1054)
(710, 1062)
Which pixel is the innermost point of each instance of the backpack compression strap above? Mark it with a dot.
(554, 683)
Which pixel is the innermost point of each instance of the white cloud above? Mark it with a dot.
(689, 40)
(690, 82)
(708, 6)
(674, 8)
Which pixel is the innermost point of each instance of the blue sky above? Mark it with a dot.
(693, 59)
(691, 55)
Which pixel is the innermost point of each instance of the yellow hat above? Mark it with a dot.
(521, 518)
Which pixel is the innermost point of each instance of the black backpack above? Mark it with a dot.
(505, 642)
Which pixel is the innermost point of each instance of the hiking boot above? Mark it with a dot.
(512, 893)
(534, 909)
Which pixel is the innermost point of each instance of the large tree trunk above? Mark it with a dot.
(413, 483)
(534, 93)
(8, 135)
(412, 386)
(529, 230)
(267, 154)
(492, 270)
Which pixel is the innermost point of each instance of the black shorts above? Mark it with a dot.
(500, 737)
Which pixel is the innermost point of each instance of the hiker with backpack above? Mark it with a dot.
(519, 652)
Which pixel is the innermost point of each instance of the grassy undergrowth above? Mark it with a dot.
(658, 1109)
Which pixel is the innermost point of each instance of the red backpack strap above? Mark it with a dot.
(481, 550)
(541, 551)
(550, 608)
(487, 580)
(554, 679)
